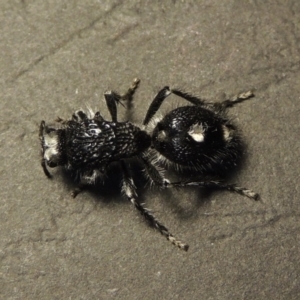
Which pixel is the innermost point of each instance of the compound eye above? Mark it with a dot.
(52, 164)
(52, 159)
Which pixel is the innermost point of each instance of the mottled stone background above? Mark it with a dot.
(58, 56)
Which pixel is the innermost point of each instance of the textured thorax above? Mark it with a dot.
(92, 143)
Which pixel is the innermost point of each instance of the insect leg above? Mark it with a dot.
(129, 190)
(235, 100)
(194, 100)
(112, 99)
(153, 172)
(217, 185)
(128, 96)
(156, 103)
(128, 99)
(162, 95)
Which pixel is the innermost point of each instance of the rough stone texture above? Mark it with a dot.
(58, 56)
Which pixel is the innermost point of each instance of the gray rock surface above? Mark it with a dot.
(58, 56)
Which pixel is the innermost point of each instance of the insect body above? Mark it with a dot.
(199, 137)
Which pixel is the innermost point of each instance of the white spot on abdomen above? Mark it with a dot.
(196, 132)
